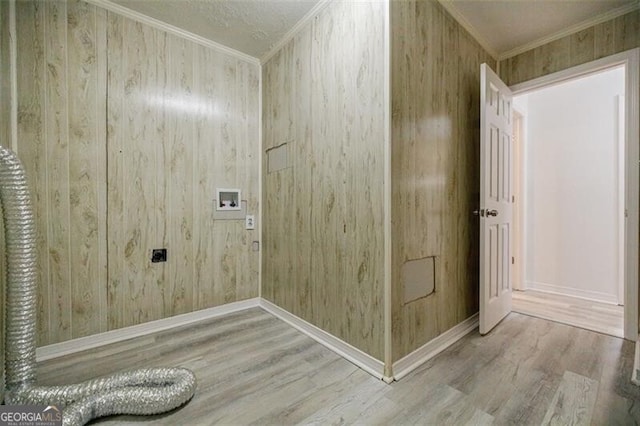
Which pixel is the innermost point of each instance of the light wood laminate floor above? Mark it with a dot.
(254, 369)
(601, 317)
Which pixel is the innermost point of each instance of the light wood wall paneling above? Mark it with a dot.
(61, 117)
(142, 142)
(279, 241)
(32, 144)
(248, 175)
(553, 56)
(329, 169)
(178, 158)
(116, 175)
(604, 39)
(322, 95)
(518, 68)
(212, 237)
(225, 166)
(227, 148)
(582, 47)
(366, 161)
(302, 154)
(204, 167)
(435, 65)
(86, 47)
(125, 132)
(57, 165)
(5, 140)
(189, 124)
(254, 98)
(627, 31)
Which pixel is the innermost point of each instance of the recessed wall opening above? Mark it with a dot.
(418, 278)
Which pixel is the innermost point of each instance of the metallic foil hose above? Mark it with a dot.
(139, 392)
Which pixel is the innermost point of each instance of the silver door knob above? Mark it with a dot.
(492, 212)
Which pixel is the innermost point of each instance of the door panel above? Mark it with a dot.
(496, 174)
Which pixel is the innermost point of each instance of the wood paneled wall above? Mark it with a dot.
(125, 132)
(61, 141)
(323, 216)
(5, 139)
(435, 167)
(598, 41)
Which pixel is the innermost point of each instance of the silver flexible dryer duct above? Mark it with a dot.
(139, 392)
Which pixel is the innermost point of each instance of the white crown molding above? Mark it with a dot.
(410, 362)
(361, 359)
(458, 16)
(607, 16)
(55, 350)
(295, 30)
(156, 23)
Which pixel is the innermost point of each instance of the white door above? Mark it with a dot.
(496, 181)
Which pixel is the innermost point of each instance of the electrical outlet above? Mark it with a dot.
(249, 222)
(158, 255)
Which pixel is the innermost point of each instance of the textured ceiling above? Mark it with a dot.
(255, 26)
(249, 26)
(508, 24)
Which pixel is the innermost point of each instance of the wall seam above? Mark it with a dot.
(387, 296)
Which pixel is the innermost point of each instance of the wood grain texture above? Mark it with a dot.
(604, 39)
(573, 402)
(254, 369)
(125, 132)
(5, 140)
(323, 234)
(56, 133)
(32, 147)
(592, 315)
(60, 67)
(435, 157)
(182, 125)
(86, 46)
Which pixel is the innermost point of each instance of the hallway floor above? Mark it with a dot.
(597, 316)
(253, 368)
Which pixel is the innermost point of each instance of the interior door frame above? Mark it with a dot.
(630, 59)
(519, 205)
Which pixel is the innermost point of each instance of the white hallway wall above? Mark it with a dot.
(571, 199)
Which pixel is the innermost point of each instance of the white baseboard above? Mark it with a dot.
(83, 343)
(410, 362)
(596, 296)
(363, 360)
(635, 375)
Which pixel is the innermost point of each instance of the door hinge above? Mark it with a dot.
(513, 198)
(513, 260)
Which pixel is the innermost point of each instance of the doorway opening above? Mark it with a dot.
(575, 188)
